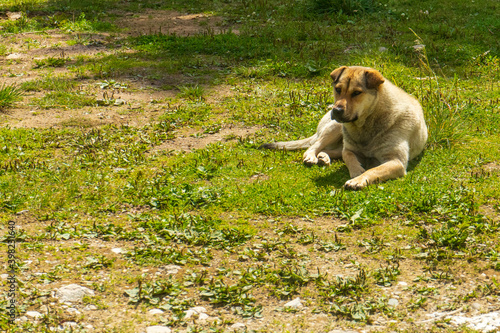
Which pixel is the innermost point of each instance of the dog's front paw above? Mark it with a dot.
(356, 183)
(310, 159)
(323, 158)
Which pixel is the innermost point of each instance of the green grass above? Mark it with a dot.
(9, 94)
(249, 228)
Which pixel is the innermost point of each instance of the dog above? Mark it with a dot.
(374, 126)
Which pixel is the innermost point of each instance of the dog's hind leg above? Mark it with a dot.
(327, 155)
(328, 145)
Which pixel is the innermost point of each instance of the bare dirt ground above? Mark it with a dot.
(142, 99)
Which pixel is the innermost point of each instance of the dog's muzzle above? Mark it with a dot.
(338, 115)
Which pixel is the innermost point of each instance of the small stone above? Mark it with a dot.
(119, 102)
(72, 293)
(402, 283)
(197, 310)
(14, 16)
(155, 311)
(476, 306)
(13, 56)
(393, 302)
(343, 331)
(25, 211)
(44, 309)
(294, 304)
(69, 324)
(203, 316)
(117, 250)
(172, 269)
(158, 329)
(34, 314)
(238, 327)
(73, 311)
(4, 276)
(90, 307)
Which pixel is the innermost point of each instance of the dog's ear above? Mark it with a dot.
(337, 73)
(373, 79)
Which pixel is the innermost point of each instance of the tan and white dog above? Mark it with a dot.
(374, 126)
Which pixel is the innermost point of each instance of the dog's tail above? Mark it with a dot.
(291, 145)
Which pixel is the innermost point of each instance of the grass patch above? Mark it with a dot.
(9, 94)
(239, 230)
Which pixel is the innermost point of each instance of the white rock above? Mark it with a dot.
(70, 324)
(172, 269)
(73, 311)
(486, 322)
(155, 311)
(393, 302)
(4, 276)
(294, 304)
(117, 250)
(199, 309)
(14, 56)
(90, 307)
(402, 283)
(72, 293)
(238, 327)
(343, 331)
(14, 16)
(158, 329)
(476, 306)
(33, 314)
(203, 316)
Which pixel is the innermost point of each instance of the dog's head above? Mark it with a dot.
(355, 90)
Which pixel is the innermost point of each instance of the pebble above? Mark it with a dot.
(33, 314)
(197, 310)
(158, 329)
(14, 16)
(238, 327)
(294, 304)
(72, 293)
(342, 331)
(73, 311)
(476, 306)
(14, 56)
(172, 269)
(155, 311)
(487, 322)
(90, 307)
(393, 302)
(117, 250)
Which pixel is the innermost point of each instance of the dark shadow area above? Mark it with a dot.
(335, 178)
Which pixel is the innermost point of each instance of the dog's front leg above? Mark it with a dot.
(352, 163)
(388, 170)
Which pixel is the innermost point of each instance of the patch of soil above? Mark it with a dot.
(26, 49)
(190, 140)
(170, 22)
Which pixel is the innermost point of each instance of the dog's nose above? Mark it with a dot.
(337, 112)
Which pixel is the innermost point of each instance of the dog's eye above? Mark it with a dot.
(338, 90)
(356, 93)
